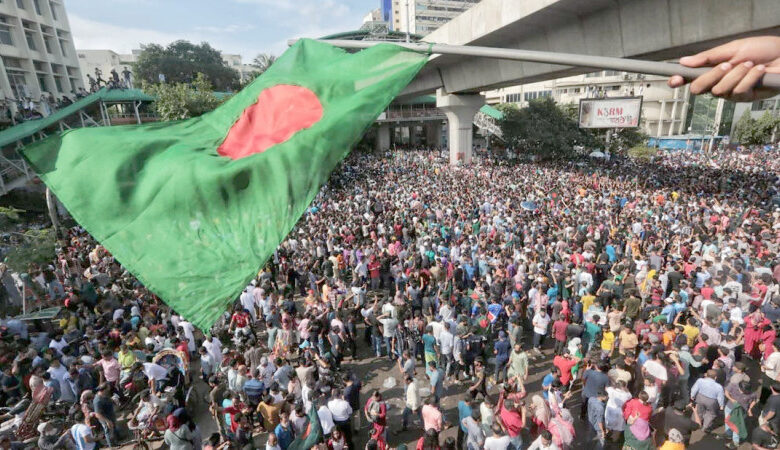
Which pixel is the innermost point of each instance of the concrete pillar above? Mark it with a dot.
(383, 137)
(460, 111)
(433, 134)
(661, 118)
(413, 138)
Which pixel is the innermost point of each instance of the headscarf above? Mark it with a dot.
(641, 429)
(173, 422)
(675, 436)
(541, 410)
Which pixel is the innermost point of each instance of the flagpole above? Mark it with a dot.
(769, 80)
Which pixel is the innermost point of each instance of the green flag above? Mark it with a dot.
(312, 435)
(194, 208)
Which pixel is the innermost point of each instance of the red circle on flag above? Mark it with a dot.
(280, 112)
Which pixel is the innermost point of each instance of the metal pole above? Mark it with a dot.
(769, 80)
(51, 205)
(137, 116)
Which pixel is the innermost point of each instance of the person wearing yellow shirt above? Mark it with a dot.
(689, 329)
(587, 301)
(607, 342)
(126, 359)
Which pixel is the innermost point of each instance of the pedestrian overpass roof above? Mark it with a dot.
(26, 129)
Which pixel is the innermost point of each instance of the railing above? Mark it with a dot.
(487, 123)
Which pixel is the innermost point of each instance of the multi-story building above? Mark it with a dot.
(236, 63)
(104, 61)
(757, 109)
(664, 110)
(422, 16)
(37, 55)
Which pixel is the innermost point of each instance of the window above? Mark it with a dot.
(58, 83)
(53, 11)
(611, 73)
(615, 88)
(82, 56)
(5, 32)
(20, 4)
(30, 41)
(576, 90)
(62, 47)
(48, 45)
(42, 83)
(37, 7)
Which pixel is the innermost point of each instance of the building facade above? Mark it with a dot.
(104, 61)
(664, 110)
(422, 16)
(37, 55)
(757, 109)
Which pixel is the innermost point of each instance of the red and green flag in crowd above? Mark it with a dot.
(311, 436)
(194, 208)
(736, 422)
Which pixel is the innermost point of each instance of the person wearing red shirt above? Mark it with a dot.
(559, 333)
(511, 419)
(640, 406)
(373, 270)
(565, 364)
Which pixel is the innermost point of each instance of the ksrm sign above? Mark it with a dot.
(617, 112)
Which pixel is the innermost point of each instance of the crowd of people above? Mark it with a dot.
(646, 294)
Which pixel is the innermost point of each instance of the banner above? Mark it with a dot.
(618, 112)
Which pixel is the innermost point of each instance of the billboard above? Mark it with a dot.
(616, 112)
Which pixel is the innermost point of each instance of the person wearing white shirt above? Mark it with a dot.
(342, 414)
(446, 342)
(543, 442)
(248, 302)
(540, 322)
(498, 441)
(326, 420)
(412, 402)
(189, 334)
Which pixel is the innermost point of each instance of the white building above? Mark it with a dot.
(236, 63)
(105, 61)
(424, 16)
(37, 56)
(664, 109)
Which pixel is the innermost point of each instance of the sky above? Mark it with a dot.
(245, 27)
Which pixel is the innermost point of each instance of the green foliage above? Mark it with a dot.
(541, 128)
(176, 101)
(749, 131)
(261, 63)
(642, 152)
(37, 248)
(180, 61)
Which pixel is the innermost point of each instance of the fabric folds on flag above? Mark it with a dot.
(735, 421)
(313, 434)
(194, 208)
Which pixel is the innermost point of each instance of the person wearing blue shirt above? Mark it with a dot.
(548, 380)
(552, 294)
(284, 432)
(501, 350)
(436, 378)
(464, 411)
(610, 250)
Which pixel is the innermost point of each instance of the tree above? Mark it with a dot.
(767, 124)
(261, 63)
(177, 101)
(747, 131)
(181, 61)
(37, 247)
(541, 128)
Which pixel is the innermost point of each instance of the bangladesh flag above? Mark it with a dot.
(313, 434)
(194, 208)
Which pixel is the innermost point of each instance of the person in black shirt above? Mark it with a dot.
(764, 437)
(676, 417)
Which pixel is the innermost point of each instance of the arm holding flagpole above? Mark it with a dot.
(763, 52)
